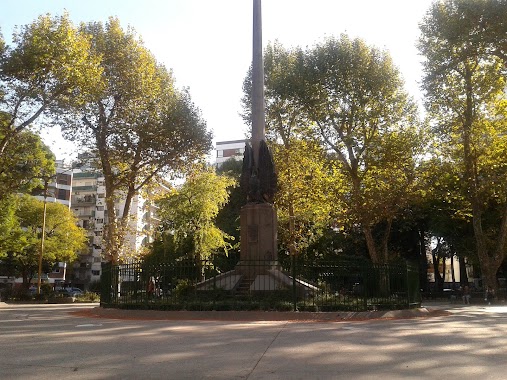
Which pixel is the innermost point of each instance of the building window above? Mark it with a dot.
(100, 208)
(63, 179)
(231, 152)
(220, 153)
(101, 195)
(63, 194)
(95, 272)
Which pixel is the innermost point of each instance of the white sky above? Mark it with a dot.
(208, 43)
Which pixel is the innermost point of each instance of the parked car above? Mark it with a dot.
(73, 292)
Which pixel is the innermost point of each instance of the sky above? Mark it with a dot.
(208, 44)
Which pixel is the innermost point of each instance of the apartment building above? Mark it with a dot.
(226, 150)
(88, 203)
(59, 186)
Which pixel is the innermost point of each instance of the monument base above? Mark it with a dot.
(258, 269)
(258, 232)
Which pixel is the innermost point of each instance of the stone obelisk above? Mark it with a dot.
(258, 113)
(258, 178)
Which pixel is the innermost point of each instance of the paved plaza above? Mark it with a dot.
(52, 341)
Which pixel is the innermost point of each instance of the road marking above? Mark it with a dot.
(90, 325)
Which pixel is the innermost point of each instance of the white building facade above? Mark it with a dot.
(226, 150)
(88, 204)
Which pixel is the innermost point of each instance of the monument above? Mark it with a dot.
(258, 269)
(258, 178)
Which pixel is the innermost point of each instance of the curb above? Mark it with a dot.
(261, 316)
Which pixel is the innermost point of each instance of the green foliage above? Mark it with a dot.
(88, 297)
(307, 196)
(49, 66)
(8, 223)
(136, 121)
(354, 96)
(349, 97)
(183, 289)
(63, 237)
(190, 211)
(464, 81)
(25, 161)
(228, 216)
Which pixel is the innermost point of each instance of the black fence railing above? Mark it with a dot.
(288, 284)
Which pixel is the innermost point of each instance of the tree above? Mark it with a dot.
(8, 223)
(228, 218)
(464, 81)
(352, 96)
(25, 161)
(139, 125)
(307, 195)
(63, 237)
(190, 211)
(49, 66)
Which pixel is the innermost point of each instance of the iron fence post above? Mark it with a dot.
(294, 290)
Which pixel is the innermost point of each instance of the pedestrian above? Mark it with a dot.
(151, 287)
(490, 295)
(466, 295)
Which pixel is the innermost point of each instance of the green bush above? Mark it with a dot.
(88, 297)
(184, 289)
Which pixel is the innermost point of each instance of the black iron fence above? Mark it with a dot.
(288, 284)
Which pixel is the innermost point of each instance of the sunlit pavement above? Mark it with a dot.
(46, 342)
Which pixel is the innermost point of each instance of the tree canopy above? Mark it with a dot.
(349, 97)
(136, 121)
(63, 238)
(25, 161)
(49, 66)
(464, 83)
(191, 210)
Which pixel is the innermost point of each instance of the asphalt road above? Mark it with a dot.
(46, 342)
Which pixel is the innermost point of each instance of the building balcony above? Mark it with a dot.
(77, 189)
(85, 214)
(83, 200)
(86, 175)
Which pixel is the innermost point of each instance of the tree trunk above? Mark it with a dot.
(463, 276)
(370, 243)
(385, 240)
(489, 259)
(423, 260)
(444, 267)
(436, 270)
(453, 275)
(489, 271)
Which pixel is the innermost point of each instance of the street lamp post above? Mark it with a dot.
(47, 180)
(41, 253)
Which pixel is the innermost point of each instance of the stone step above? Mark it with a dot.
(244, 286)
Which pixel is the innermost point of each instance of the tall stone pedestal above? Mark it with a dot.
(258, 232)
(258, 269)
